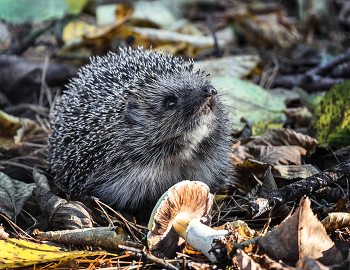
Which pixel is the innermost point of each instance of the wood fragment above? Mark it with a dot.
(298, 189)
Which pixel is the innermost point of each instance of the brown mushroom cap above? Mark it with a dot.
(190, 198)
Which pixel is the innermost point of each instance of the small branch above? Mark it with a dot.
(30, 41)
(300, 188)
(137, 253)
(309, 82)
(328, 66)
(216, 45)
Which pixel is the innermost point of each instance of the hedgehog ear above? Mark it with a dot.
(132, 112)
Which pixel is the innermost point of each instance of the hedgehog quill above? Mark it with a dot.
(132, 125)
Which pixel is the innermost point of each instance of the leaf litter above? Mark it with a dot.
(275, 70)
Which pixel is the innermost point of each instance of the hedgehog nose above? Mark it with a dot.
(208, 91)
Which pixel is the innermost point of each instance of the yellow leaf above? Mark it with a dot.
(13, 129)
(19, 253)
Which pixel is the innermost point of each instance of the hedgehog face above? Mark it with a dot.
(181, 109)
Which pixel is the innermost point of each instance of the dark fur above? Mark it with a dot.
(114, 137)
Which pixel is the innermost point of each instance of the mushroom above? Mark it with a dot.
(179, 216)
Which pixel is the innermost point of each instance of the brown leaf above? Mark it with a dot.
(310, 264)
(267, 30)
(62, 214)
(281, 155)
(275, 147)
(283, 137)
(299, 116)
(303, 235)
(245, 262)
(13, 195)
(290, 172)
(269, 185)
(274, 155)
(3, 235)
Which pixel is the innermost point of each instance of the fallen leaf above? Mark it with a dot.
(291, 172)
(13, 130)
(267, 30)
(336, 221)
(60, 213)
(248, 100)
(245, 262)
(13, 195)
(21, 11)
(283, 137)
(3, 235)
(239, 66)
(20, 253)
(302, 235)
(310, 264)
(280, 155)
(298, 116)
(275, 147)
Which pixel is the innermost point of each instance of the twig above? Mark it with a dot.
(104, 211)
(128, 224)
(20, 48)
(44, 86)
(211, 28)
(300, 188)
(335, 61)
(137, 253)
(13, 225)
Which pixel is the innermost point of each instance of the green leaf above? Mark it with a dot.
(20, 11)
(248, 100)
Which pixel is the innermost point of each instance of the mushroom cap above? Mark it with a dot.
(192, 198)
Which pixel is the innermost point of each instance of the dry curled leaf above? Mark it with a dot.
(245, 262)
(3, 235)
(310, 264)
(299, 116)
(13, 195)
(13, 130)
(290, 172)
(239, 66)
(275, 147)
(303, 235)
(257, 262)
(336, 221)
(282, 137)
(269, 185)
(265, 30)
(60, 213)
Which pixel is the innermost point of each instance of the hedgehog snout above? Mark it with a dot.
(208, 91)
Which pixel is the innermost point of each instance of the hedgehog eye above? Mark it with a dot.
(170, 102)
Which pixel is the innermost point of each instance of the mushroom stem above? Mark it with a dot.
(180, 224)
(198, 235)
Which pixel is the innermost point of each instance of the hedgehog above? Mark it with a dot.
(131, 125)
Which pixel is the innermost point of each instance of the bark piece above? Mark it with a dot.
(298, 189)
